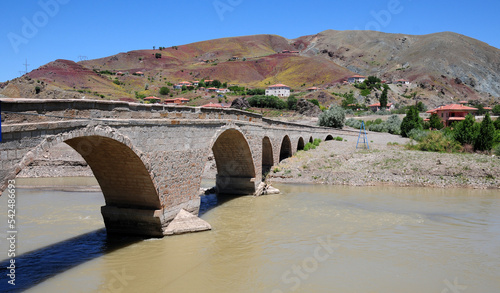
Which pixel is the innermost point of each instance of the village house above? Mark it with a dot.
(222, 91)
(451, 113)
(176, 101)
(403, 81)
(356, 79)
(152, 100)
(313, 89)
(212, 89)
(181, 84)
(376, 107)
(279, 90)
(196, 83)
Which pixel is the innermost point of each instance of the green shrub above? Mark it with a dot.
(309, 146)
(465, 132)
(338, 138)
(496, 150)
(164, 91)
(333, 117)
(267, 102)
(316, 141)
(418, 134)
(436, 141)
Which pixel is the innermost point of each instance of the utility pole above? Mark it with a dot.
(26, 67)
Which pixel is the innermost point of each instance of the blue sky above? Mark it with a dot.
(45, 30)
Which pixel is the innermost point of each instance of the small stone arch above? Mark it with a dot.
(286, 148)
(300, 144)
(267, 156)
(329, 137)
(234, 161)
(311, 139)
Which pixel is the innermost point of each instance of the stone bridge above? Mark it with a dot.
(149, 159)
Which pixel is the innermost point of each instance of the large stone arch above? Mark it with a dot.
(286, 148)
(267, 156)
(129, 192)
(300, 144)
(235, 165)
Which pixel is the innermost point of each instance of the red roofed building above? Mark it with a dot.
(176, 101)
(402, 81)
(279, 90)
(313, 89)
(376, 107)
(356, 78)
(450, 113)
(152, 99)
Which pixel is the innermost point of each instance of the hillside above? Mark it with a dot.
(442, 67)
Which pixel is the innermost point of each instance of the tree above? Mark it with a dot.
(435, 122)
(497, 123)
(421, 107)
(292, 102)
(411, 121)
(157, 55)
(216, 83)
(164, 91)
(383, 99)
(484, 141)
(372, 82)
(333, 117)
(496, 110)
(202, 84)
(466, 131)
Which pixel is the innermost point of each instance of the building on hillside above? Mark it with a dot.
(181, 84)
(152, 100)
(140, 73)
(222, 91)
(376, 107)
(212, 89)
(451, 113)
(356, 79)
(176, 101)
(196, 83)
(313, 89)
(279, 90)
(403, 81)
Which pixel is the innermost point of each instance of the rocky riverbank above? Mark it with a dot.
(387, 162)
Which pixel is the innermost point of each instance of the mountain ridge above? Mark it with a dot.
(444, 66)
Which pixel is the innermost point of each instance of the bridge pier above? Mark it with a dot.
(235, 185)
(128, 221)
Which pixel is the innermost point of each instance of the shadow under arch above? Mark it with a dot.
(129, 192)
(300, 144)
(329, 137)
(286, 148)
(235, 166)
(267, 156)
(311, 139)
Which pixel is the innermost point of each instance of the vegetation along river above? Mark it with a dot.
(310, 238)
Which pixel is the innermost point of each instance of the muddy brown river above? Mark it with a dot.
(310, 238)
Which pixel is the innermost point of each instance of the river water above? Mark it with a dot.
(310, 238)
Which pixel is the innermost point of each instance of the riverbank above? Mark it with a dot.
(387, 162)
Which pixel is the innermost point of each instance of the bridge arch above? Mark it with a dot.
(311, 139)
(329, 137)
(129, 191)
(286, 148)
(235, 165)
(300, 144)
(267, 156)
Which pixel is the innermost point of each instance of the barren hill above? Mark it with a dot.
(442, 67)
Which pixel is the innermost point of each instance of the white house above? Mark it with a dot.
(279, 90)
(356, 79)
(222, 91)
(403, 81)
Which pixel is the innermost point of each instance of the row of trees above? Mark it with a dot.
(481, 136)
